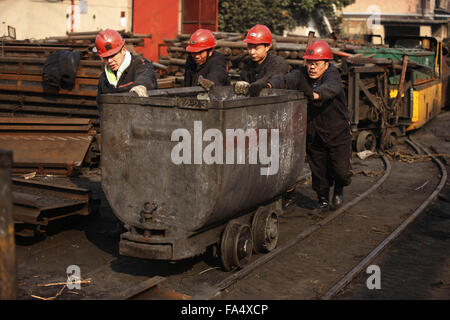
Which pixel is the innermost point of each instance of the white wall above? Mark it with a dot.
(37, 19)
(385, 6)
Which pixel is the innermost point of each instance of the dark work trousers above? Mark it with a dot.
(330, 164)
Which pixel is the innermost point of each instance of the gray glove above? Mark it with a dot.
(205, 83)
(256, 87)
(141, 91)
(241, 87)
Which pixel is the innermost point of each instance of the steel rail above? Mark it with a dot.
(301, 236)
(372, 255)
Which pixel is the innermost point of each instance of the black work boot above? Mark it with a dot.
(338, 197)
(322, 205)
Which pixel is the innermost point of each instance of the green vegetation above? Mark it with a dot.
(278, 15)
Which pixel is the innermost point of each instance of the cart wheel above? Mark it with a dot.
(265, 230)
(236, 245)
(389, 139)
(366, 141)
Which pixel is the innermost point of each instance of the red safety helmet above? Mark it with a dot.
(318, 50)
(108, 43)
(201, 39)
(259, 34)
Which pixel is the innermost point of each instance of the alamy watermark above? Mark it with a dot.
(221, 150)
(374, 18)
(374, 281)
(73, 277)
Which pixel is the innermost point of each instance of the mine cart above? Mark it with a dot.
(185, 169)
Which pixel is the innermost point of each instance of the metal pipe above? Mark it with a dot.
(7, 245)
(72, 16)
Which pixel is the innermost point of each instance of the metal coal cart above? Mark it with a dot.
(185, 169)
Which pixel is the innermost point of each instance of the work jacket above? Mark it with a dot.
(272, 65)
(214, 69)
(328, 117)
(139, 72)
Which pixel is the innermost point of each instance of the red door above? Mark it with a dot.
(160, 19)
(199, 14)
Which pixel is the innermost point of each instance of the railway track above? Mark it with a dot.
(97, 255)
(225, 283)
(386, 242)
(212, 287)
(214, 292)
(332, 284)
(200, 277)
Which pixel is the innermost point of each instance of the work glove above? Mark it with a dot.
(256, 87)
(141, 91)
(241, 87)
(205, 83)
(305, 87)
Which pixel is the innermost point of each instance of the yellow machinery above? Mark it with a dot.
(428, 95)
(415, 66)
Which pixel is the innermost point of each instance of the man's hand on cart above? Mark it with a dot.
(241, 87)
(205, 83)
(141, 91)
(256, 87)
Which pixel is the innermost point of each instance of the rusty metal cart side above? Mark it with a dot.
(175, 211)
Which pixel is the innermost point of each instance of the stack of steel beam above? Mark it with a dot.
(38, 203)
(68, 144)
(23, 92)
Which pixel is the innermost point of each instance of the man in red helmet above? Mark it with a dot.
(123, 72)
(261, 64)
(204, 66)
(328, 143)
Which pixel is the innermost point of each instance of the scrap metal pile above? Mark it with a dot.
(49, 145)
(36, 203)
(33, 205)
(50, 130)
(23, 91)
(41, 122)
